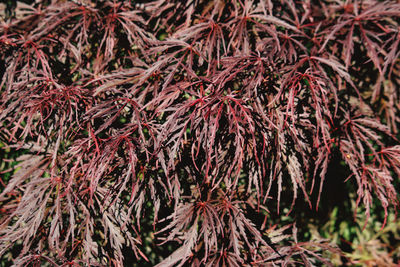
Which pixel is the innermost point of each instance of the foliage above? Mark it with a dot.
(369, 245)
(208, 117)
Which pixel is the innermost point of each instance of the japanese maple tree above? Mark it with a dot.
(204, 121)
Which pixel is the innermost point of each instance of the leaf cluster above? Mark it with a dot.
(220, 114)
